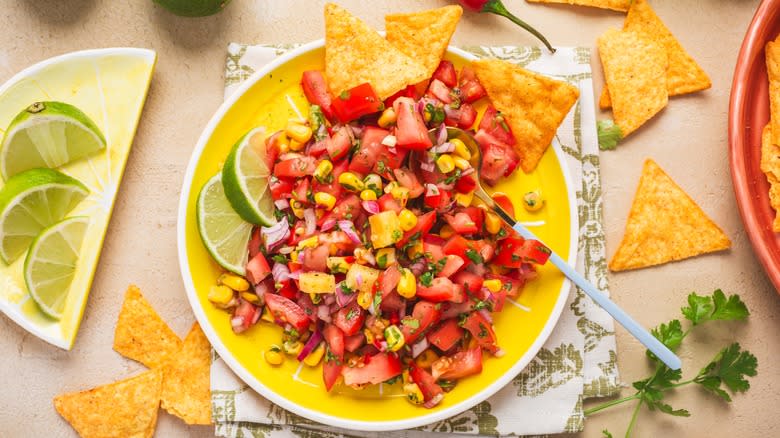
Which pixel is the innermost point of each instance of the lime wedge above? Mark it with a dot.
(51, 263)
(225, 235)
(48, 134)
(245, 177)
(31, 201)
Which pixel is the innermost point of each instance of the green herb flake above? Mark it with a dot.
(426, 279)
(344, 95)
(609, 134)
(474, 256)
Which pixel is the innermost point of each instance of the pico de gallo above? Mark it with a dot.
(380, 267)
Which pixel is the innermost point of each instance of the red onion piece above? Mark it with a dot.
(467, 171)
(311, 221)
(295, 275)
(328, 225)
(343, 299)
(311, 344)
(499, 353)
(441, 134)
(443, 148)
(280, 272)
(371, 207)
(323, 313)
(237, 322)
(285, 250)
(275, 234)
(281, 204)
(289, 156)
(434, 401)
(359, 280)
(485, 314)
(349, 229)
(419, 347)
(329, 299)
(428, 167)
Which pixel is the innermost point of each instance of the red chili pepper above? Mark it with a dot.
(498, 8)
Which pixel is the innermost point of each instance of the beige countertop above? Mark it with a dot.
(688, 139)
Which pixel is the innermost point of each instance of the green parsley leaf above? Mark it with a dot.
(729, 367)
(474, 256)
(344, 95)
(716, 307)
(411, 323)
(397, 235)
(279, 258)
(606, 434)
(381, 261)
(609, 134)
(666, 409)
(426, 279)
(671, 334)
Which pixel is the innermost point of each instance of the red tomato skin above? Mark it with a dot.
(331, 372)
(426, 314)
(424, 225)
(471, 282)
(287, 311)
(356, 102)
(379, 368)
(427, 384)
(280, 188)
(334, 337)
(441, 289)
(351, 325)
(468, 115)
(446, 335)
(339, 144)
(495, 128)
(295, 167)
(445, 72)
(257, 269)
(461, 364)
(316, 91)
(370, 147)
(388, 203)
(410, 132)
(482, 330)
(352, 343)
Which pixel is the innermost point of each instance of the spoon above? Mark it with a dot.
(640, 333)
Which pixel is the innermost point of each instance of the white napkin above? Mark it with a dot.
(579, 358)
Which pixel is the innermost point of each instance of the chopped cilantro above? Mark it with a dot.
(381, 261)
(381, 167)
(426, 279)
(346, 290)
(397, 235)
(344, 95)
(474, 256)
(501, 233)
(515, 257)
(411, 323)
(393, 380)
(454, 177)
(279, 258)
(609, 134)
(351, 314)
(483, 331)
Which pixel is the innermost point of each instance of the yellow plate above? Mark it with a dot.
(269, 98)
(110, 86)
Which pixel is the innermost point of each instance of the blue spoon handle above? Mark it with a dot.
(648, 340)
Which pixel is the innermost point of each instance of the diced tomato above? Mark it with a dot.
(471, 91)
(424, 315)
(468, 115)
(446, 335)
(407, 178)
(514, 251)
(470, 281)
(392, 302)
(331, 372)
(287, 311)
(457, 245)
(272, 149)
(494, 124)
(436, 197)
(248, 313)
(338, 240)
(482, 330)
(377, 369)
(339, 144)
(280, 187)
(357, 102)
(409, 91)
(504, 202)
(453, 265)
(451, 310)
(466, 183)
(388, 203)
(512, 286)
(295, 167)
(301, 191)
(410, 132)
(498, 159)
(346, 206)
(484, 248)
(334, 337)
(462, 223)
(388, 280)
(316, 90)
(461, 364)
(432, 244)
(432, 392)
(424, 225)
(441, 289)
(350, 318)
(315, 259)
(445, 72)
(317, 148)
(386, 161)
(370, 145)
(255, 242)
(304, 300)
(352, 343)
(257, 269)
(437, 89)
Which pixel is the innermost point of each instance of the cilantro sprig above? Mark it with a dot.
(727, 370)
(609, 134)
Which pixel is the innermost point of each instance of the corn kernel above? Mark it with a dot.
(297, 208)
(374, 182)
(252, 298)
(293, 348)
(493, 285)
(532, 201)
(368, 195)
(461, 163)
(369, 336)
(298, 132)
(315, 356)
(296, 146)
(446, 232)
(315, 298)
(274, 355)
(220, 295)
(323, 170)
(407, 285)
(385, 257)
(364, 299)
(351, 182)
(445, 163)
(394, 338)
(415, 250)
(426, 359)
(391, 186)
(492, 222)
(234, 282)
(338, 265)
(294, 256)
(310, 242)
(266, 316)
(413, 394)
(460, 149)
(325, 200)
(283, 143)
(400, 194)
(464, 199)
(408, 219)
(387, 118)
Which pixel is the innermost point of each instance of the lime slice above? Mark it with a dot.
(225, 235)
(51, 263)
(31, 201)
(245, 177)
(48, 134)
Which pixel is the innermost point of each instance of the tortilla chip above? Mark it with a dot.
(123, 409)
(664, 225)
(684, 74)
(185, 391)
(615, 5)
(635, 70)
(773, 71)
(141, 334)
(355, 54)
(534, 105)
(770, 165)
(604, 101)
(423, 36)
